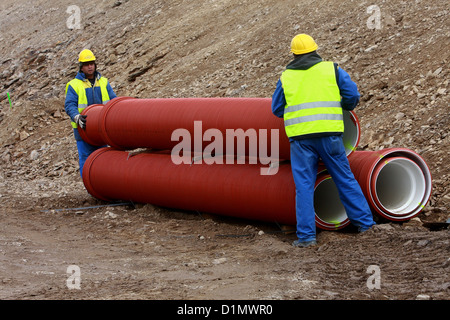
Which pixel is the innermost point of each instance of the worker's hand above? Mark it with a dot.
(80, 120)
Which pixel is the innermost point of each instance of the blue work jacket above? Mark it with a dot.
(93, 95)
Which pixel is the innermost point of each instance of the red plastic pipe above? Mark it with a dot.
(237, 190)
(92, 134)
(396, 182)
(127, 123)
(240, 190)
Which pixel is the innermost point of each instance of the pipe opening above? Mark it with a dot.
(400, 186)
(327, 204)
(351, 133)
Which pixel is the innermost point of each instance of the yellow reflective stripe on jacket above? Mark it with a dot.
(103, 83)
(312, 100)
(80, 88)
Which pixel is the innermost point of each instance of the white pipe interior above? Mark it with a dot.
(400, 186)
(351, 132)
(327, 204)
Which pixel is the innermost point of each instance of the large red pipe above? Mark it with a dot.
(392, 181)
(93, 134)
(237, 190)
(126, 123)
(396, 182)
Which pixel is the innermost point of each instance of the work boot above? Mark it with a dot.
(304, 244)
(372, 227)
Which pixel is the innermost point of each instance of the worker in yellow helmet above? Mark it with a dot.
(88, 87)
(310, 96)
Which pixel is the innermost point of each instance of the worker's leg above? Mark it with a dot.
(333, 155)
(84, 150)
(304, 169)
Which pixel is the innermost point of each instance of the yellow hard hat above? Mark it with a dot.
(86, 55)
(303, 43)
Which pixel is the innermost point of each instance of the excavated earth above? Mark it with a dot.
(232, 48)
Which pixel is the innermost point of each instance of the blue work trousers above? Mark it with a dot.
(305, 156)
(84, 150)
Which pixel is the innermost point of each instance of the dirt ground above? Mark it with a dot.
(146, 252)
(54, 234)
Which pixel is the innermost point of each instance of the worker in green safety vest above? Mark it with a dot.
(310, 96)
(89, 87)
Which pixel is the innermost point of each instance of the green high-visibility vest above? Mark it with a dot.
(80, 88)
(313, 100)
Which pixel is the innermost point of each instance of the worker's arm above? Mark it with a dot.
(278, 101)
(111, 92)
(71, 102)
(348, 89)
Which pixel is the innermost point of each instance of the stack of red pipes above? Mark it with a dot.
(230, 156)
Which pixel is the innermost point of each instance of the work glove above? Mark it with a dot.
(80, 120)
